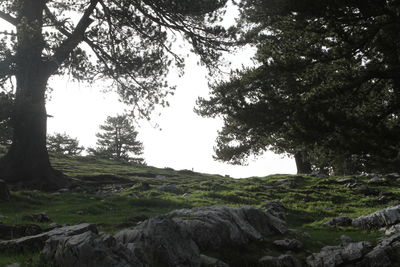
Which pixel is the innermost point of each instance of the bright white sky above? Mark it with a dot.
(185, 140)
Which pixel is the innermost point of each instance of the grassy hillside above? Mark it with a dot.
(116, 196)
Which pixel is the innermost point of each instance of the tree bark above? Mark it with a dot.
(302, 163)
(27, 161)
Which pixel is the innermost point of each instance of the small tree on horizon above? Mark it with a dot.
(118, 140)
(64, 144)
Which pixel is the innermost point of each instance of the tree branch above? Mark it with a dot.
(5, 67)
(101, 54)
(7, 17)
(73, 39)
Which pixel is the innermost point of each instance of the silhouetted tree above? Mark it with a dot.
(130, 42)
(118, 140)
(6, 102)
(63, 144)
(326, 85)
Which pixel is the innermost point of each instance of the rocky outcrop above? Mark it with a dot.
(281, 261)
(276, 208)
(378, 219)
(384, 254)
(180, 237)
(331, 256)
(375, 258)
(288, 244)
(16, 231)
(359, 254)
(177, 238)
(161, 241)
(391, 230)
(88, 249)
(206, 261)
(174, 239)
(36, 242)
(216, 227)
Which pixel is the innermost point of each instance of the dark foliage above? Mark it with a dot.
(6, 103)
(64, 144)
(327, 84)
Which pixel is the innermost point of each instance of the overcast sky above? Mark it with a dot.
(183, 139)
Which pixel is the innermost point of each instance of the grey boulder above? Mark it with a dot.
(207, 261)
(391, 230)
(36, 242)
(331, 256)
(376, 258)
(216, 227)
(281, 261)
(386, 253)
(276, 208)
(378, 219)
(88, 249)
(161, 242)
(176, 239)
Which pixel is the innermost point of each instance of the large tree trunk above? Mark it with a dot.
(302, 163)
(27, 161)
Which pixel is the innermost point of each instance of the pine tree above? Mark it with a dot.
(118, 140)
(63, 144)
(326, 84)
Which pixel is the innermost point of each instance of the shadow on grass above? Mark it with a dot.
(297, 218)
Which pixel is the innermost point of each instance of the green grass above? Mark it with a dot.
(321, 237)
(26, 260)
(70, 208)
(310, 201)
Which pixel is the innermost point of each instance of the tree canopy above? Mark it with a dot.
(129, 42)
(326, 83)
(118, 140)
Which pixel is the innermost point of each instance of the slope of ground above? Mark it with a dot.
(118, 195)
